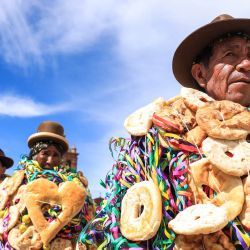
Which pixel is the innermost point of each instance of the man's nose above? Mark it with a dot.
(244, 65)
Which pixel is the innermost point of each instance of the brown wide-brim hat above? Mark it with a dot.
(6, 161)
(49, 130)
(193, 44)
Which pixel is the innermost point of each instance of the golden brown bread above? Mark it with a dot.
(245, 213)
(224, 120)
(195, 99)
(42, 191)
(61, 244)
(199, 219)
(13, 215)
(229, 189)
(30, 239)
(9, 186)
(196, 136)
(217, 241)
(141, 211)
(139, 122)
(231, 157)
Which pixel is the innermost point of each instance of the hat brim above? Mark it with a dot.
(193, 44)
(6, 161)
(40, 136)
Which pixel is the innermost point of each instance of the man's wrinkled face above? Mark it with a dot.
(227, 75)
(49, 157)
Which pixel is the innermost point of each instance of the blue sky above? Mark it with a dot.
(88, 65)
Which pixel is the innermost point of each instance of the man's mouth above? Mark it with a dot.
(244, 79)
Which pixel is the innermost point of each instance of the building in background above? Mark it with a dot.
(71, 157)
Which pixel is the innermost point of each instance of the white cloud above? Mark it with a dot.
(72, 26)
(18, 42)
(32, 30)
(142, 29)
(17, 106)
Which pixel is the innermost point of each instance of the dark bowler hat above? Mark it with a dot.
(193, 44)
(49, 130)
(6, 161)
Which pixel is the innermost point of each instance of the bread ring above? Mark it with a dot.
(224, 120)
(196, 136)
(69, 195)
(216, 241)
(30, 239)
(229, 189)
(199, 219)
(19, 197)
(174, 117)
(195, 99)
(61, 244)
(188, 242)
(12, 183)
(4, 197)
(139, 225)
(81, 246)
(139, 122)
(237, 164)
(9, 186)
(245, 213)
(13, 217)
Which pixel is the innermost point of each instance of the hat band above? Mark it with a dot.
(207, 50)
(43, 144)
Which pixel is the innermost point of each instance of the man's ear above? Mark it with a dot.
(197, 72)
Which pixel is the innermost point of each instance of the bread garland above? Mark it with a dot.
(57, 175)
(141, 158)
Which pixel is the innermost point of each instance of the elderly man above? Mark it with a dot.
(216, 59)
(165, 156)
(5, 162)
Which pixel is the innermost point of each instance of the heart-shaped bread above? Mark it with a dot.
(69, 195)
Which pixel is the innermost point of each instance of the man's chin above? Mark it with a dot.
(240, 93)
